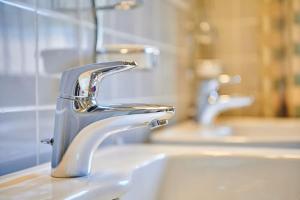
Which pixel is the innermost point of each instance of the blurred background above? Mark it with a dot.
(258, 40)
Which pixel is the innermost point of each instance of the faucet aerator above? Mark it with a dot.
(158, 123)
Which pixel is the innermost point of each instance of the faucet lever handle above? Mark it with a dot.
(83, 82)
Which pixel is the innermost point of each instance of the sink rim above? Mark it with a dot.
(122, 167)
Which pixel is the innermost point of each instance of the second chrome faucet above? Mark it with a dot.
(211, 104)
(81, 123)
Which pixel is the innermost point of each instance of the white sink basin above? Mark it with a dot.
(245, 132)
(156, 172)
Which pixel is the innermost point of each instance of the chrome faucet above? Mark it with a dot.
(211, 104)
(81, 124)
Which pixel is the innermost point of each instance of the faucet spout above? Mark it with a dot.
(77, 159)
(222, 104)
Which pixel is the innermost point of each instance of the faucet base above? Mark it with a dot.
(215, 131)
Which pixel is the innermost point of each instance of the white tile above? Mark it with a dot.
(17, 66)
(18, 141)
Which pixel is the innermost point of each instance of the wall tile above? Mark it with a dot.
(18, 141)
(159, 25)
(66, 7)
(75, 9)
(17, 64)
(24, 2)
(58, 51)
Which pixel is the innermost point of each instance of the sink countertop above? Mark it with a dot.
(244, 130)
(111, 178)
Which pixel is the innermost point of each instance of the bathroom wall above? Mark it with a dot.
(237, 46)
(40, 39)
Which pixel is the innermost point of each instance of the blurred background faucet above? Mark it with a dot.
(211, 103)
(81, 123)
